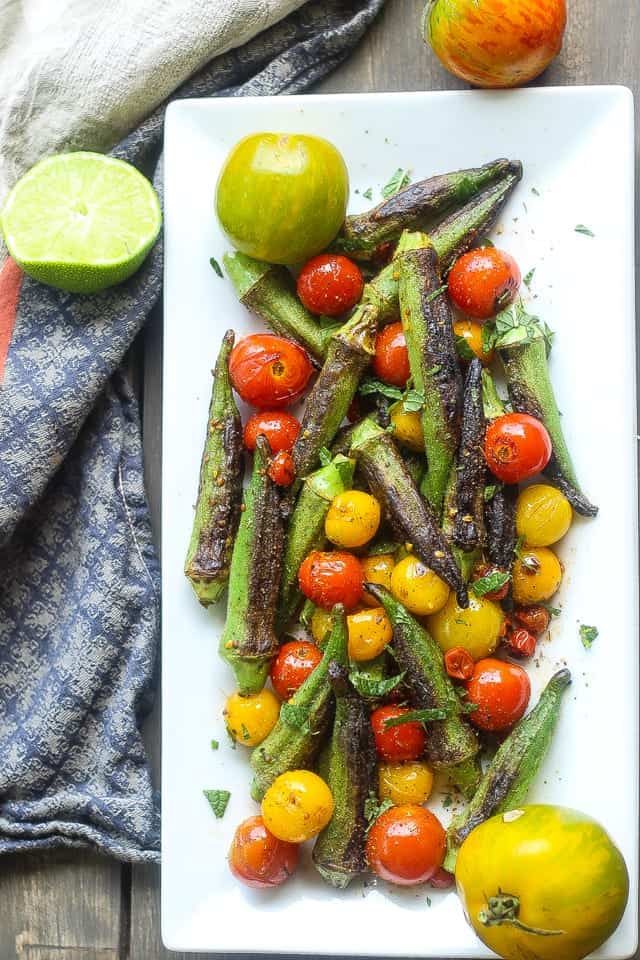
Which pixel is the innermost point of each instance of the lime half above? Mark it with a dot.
(81, 221)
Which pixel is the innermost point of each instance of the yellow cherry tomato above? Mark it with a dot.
(377, 570)
(537, 574)
(249, 719)
(405, 782)
(549, 869)
(297, 806)
(369, 632)
(407, 427)
(353, 518)
(417, 587)
(477, 629)
(471, 332)
(543, 515)
(321, 624)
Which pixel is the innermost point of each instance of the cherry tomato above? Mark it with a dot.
(418, 587)
(486, 570)
(292, 665)
(403, 742)
(406, 845)
(297, 806)
(543, 515)
(269, 371)
(471, 332)
(521, 642)
(377, 569)
(391, 359)
(516, 447)
(331, 577)
(537, 574)
(482, 282)
(501, 690)
(407, 426)
(258, 858)
(282, 469)
(251, 718)
(405, 782)
(534, 618)
(353, 519)
(369, 631)
(459, 663)
(330, 284)
(279, 427)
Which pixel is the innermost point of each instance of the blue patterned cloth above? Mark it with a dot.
(79, 577)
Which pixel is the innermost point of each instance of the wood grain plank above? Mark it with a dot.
(602, 45)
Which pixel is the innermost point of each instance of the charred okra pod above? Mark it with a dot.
(220, 489)
(506, 782)
(348, 768)
(428, 328)
(410, 517)
(531, 391)
(295, 740)
(415, 207)
(306, 529)
(249, 639)
(500, 522)
(268, 291)
(451, 742)
(468, 519)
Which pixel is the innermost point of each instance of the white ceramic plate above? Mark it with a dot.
(577, 149)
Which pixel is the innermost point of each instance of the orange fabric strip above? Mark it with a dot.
(10, 283)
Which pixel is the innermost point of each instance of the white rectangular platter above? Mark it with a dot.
(577, 149)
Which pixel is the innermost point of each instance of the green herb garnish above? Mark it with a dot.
(413, 401)
(371, 687)
(535, 192)
(324, 456)
(436, 293)
(490, 491)
(488, 336)
(464, 350)
(218, 800)
(214, 744)
(515, 326)
(447, 801)
(245, 733)
(216, 266)
(588, 635)
(490, 584)
(580, 228)
(373, 808)
(398, 181)
(428, 901)
(417, 716)
(367, 194)
(371, 385)
(529, 277)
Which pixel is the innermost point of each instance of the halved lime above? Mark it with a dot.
(81, 221)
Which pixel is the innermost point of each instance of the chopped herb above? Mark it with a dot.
(552, 611)
(489, 337)
(580, 228)
(371, 385)
(588, 635)
(245, 733)
(468, 707)
(447, 801)
(526, 210)
(324, 456)
(490, 491)
(490, 584)
(295, 716)
(436, 293)
(214, 744)
(367, 194)
(529, 277)
(382, 547)
(372, 687)
(218, 800)
(216, 266)
(417, 716)
(436, 368)
(514, 325)
(535, 192)
(428, 901)
(373, 808)
(464, 350)
(398, 181)
(413, 401)
(232, 739)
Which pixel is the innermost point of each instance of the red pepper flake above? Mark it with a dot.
(459, 663)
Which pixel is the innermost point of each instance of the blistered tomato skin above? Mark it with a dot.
(295, 661)
(330, 577)
(353, 519)
(543, 515)
(405, 741)
(297, 806)
(251, 718)
(329, 284)
(416, 586)
(259, 859)
(482, 282)
(410, 782)
(369, 633)
(517, 447)
(391, 359)
(501, 692)
(537, 575)
(279, 427)
(406, 845)
(269, 371)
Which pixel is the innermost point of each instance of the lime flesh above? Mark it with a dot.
(81, 221)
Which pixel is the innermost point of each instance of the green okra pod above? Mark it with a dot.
(468, 530)
(410, 517)
(506, 781)
(306, 529)
(531, 391)
(269, 291)
(451, 743)
(249, 640)
(415, 207)
(217, 512)
(295, 740)
(349, 768)
(433, 360)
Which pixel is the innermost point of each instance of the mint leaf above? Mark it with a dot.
(371, 385)
(245, 733)
(489, 584)
(218, 800)
(436, 293)
(580, 228)
(588, 635)
(464, 350)
(399, 180)
(515, 326)
(413, 401)
(417, 716)
(216, 266)
(488, 336)
(490, 491)
(367, 194)
(528, 277)
(214, 744)
(373, 808)
(324, 456)
(372, 687)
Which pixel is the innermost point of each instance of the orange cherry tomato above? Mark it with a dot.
(406, 845)
(292, 665)
(330, 284)
(330, 577)
(282, 469)
(279, 427)
(269, 371)
(406, 741)
(258, 858)
(459, 663)
(391, 359)
(516, 447)
(501, 690)
(482, 282)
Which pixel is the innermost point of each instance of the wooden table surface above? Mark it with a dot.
(79, 906)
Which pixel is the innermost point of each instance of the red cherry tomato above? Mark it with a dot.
(292, 665)
(331, 577)
(483, 282)
(258, 858)
(521, 642)
(403, 742)
(330, 284)
(406, 845)
(516, 447)
(282, 469)
(391, 359)
(501, 690)
(269, 371)
(279, 427)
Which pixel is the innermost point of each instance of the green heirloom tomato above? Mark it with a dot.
(282, 197)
